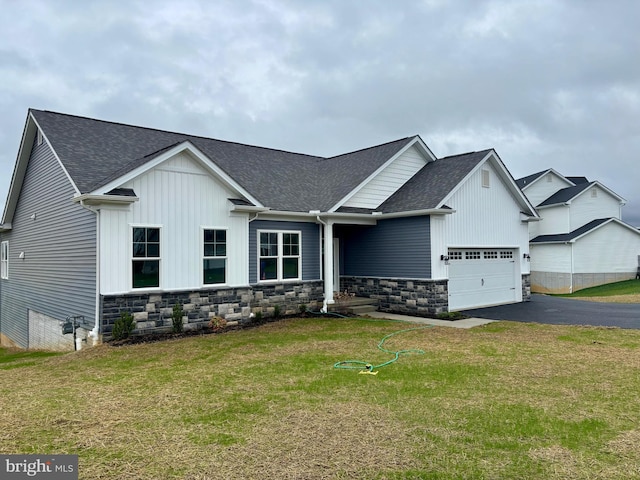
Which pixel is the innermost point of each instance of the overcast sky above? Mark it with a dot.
(548, 84)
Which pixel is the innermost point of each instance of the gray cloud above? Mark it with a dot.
(546, 83)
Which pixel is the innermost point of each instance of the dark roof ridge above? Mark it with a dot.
(466, 153)
(367, 148)
(186, 135)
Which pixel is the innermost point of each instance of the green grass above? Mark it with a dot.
(628, 287)
(503, 401)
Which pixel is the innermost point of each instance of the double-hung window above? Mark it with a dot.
(279, 255)
(214, 263)
(4, 260)
(146, 257)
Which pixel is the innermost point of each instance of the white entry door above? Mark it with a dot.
(482, 277)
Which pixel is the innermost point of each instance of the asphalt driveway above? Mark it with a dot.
(564, 311)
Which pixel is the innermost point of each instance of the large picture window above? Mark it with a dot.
(146, 257)
(4, 260)
(279, 256)
(214, 256)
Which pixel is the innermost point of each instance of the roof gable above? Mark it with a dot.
(526, 182)
(437, 181)
(400, 166)
(578, 233)
(568, 195)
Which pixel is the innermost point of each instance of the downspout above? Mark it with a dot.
(571, 284)
(328, 264)
(95, 333)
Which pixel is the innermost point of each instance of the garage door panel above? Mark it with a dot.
(482, 279)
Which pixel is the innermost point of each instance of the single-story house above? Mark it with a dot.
(580, 240)
(103, 218)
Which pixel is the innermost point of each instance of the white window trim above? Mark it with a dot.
(203, 257)
(4, 260)
(132, 258)
(280, 256)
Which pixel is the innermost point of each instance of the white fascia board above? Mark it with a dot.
(416, 141)
(88, 199)
(544, 174)
(603, 187)
(611, 220)
(187, 146)
(5, 227)
(352, 218)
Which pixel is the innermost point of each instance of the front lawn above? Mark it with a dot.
(502, 401)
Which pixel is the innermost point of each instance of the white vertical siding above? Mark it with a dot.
(611, 248)
(389, 180)
(485, 216)
(181, 198)
(554, 220)
(438, 246)
(543, 188)
(551, 257)
(585, 207)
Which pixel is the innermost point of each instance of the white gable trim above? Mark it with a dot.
(505, 177)
(422, 149)
(544, 175)
(614, 220)
(29, 134)
(186, 146)
(607, 190)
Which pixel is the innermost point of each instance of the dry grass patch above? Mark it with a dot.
(507, 400)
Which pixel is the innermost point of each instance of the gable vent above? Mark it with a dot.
(549, 178)
(486, 178)
(594, 193)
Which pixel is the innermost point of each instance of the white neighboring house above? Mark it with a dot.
(580, 241)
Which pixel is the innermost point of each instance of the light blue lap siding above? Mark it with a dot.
(395, 248)
(310, 246)
(57, 276)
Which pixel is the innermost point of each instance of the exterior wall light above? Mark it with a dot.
(527, 257)
(445, 259)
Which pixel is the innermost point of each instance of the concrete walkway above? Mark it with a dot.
(465, 323)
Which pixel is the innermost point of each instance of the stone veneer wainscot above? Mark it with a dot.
(153, 311)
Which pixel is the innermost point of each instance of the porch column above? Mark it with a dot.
(328, 265)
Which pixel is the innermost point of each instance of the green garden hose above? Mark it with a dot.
(367, 367)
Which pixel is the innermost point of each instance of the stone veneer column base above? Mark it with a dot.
(410, 297)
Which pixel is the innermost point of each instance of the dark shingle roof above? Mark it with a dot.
(524, 181)
(432, 183)
(577, 180)
(567, 237)
(566, 194)
(95, 152)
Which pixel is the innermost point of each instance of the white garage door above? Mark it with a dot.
(481, 277)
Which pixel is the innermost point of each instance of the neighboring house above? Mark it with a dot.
(103, 218)
(580, 240)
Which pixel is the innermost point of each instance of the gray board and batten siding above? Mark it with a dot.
(57, 276)
(394, 248)
(310, 246)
